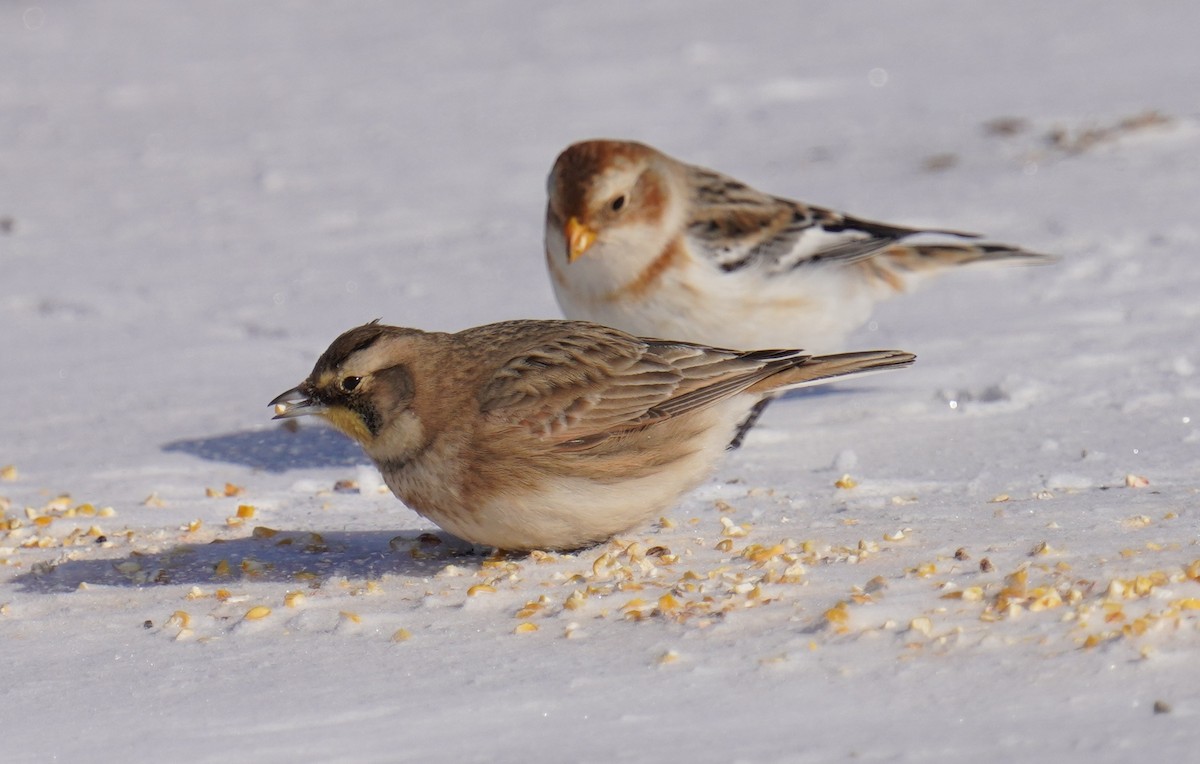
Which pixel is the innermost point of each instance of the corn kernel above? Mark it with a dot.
(668, 604)
(1046, 601)
(838, 615)
(731, 529)
(575, 600)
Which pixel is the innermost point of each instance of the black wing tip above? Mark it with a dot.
(998, 252)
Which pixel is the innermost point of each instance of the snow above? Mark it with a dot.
(198, 198)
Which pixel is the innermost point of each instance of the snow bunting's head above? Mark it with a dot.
(613, 204)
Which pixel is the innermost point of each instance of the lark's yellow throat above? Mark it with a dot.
(347, 422)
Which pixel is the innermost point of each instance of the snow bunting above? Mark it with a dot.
(546, 434)
(638, 240)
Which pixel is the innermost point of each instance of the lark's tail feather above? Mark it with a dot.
(818, 369)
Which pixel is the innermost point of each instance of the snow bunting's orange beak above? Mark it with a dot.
(579, 239)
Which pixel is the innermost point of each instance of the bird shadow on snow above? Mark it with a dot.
(298, 558)
(276, 450)
(276, 556)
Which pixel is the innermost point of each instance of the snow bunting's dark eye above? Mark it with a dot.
(618, 203)
(349, 383)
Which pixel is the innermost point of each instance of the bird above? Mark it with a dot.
(646, 243)
(546, 434)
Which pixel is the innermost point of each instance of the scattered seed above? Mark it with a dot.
(921, 625)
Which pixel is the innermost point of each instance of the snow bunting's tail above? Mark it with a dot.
(815, 370)
(900, 260)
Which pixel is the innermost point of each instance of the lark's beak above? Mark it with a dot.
(295, 402)
(579, 239)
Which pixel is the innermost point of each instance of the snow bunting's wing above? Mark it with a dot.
(738, 227)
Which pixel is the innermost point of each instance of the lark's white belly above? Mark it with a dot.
(568, 512)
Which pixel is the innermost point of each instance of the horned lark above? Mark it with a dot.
(546, 434)
(638, 240)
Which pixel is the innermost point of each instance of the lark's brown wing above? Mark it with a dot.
(588, 381)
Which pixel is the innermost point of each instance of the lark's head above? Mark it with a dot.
(362, 385)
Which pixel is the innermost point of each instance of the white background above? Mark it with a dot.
(199, 197)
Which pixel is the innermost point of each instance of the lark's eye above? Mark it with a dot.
(349, 383)
(618, 203)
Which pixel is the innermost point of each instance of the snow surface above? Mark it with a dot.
(197, 198)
